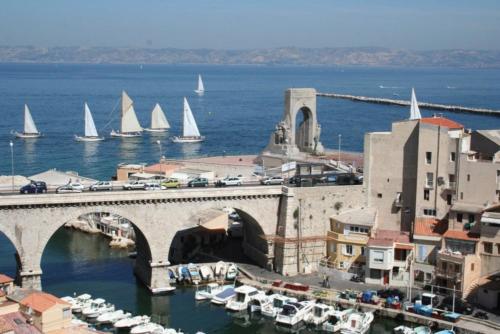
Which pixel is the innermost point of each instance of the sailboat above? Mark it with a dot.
(30, 130)
(190, 132)
(159, 122)
(130, 126)
(414, 109)
(201, 88)
(90, 130)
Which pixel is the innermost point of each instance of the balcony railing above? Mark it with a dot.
(451, 274)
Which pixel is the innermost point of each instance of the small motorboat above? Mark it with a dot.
(220, 269)
(258, 302)
(172, 275)
(408, 330)
(357, 323)
(79, 323)
(146, 328)
(183, 274)
(446, 331)
(80, 302)
(131, 322)
(336, 320)
(232, 272)
(96, 308)
(294, 313)
(277, 301)
(209, 291)
(113, 316)
(319, 314)
(244, 294)
(223, 297)
(194, 274)
(206, 273)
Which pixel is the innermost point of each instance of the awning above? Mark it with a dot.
(467, 207)
(490, 220)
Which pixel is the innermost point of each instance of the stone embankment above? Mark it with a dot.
(85, 226)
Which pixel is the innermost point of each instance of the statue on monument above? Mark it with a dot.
(281, 133)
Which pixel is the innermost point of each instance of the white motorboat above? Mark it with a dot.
(258, 302)
(147, 328)
(336, 320)
(90, 129)
(159, 122)
(113, 316)
(271, 310)
(408, 330)
(130, 126)
(96, 308)
(232, 272)
(223, 297)
(190, 132)
(220, 269)
(209, 291)
(357, 323)
(319, 314)
(294, 313)
(131, 322)
(80, 302)
(78, 322)
(194, 273)
(206, 273)
(30, 130)
(244, 294)
(201, 88)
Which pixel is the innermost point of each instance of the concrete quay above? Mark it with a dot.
(404, 103)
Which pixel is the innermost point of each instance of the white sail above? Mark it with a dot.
(201, 88)
(90, 130)
(190, 128)
(130, 122)
(158, 119)
(414, 110)
(126, 102)
(29, 124)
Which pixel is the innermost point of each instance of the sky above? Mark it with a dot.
(247, 24)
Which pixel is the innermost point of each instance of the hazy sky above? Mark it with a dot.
(237, 24)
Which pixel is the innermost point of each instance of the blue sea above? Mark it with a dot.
(237, 114)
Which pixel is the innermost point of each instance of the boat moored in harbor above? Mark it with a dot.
(294, 313)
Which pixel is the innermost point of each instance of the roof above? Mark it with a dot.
(5, 326)
(467, 207)
(56, 177)
(19, 324)
(5, 279)
(41, 301)
(461, 235)
(363, 216)
(442, 121)
(492, 135)
(429, 227)
(163, 167)
(387, 238)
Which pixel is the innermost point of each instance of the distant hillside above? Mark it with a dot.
(281, 56)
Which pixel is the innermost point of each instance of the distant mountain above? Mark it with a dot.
(276, 56)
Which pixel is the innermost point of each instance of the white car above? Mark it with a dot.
(154, 186)
(272, 180)
(229, 181)
(101, 185)
(71, 188)
(134, 185)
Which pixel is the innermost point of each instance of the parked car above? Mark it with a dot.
(385, 293)
(228, 181)
(101, 185)
(481, 315)
(34, 187)
(461, 306)
(154, 186)
(171, 183)
(330, 178)
(272, 180)
(70, 188)
(134, 185)
(198, 182)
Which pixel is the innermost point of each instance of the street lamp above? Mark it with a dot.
(12, 162)
(340, 141)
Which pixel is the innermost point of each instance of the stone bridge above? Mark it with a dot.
(284, 227)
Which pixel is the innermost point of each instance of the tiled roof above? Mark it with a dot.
(5, 327)
(41, 301)
(461, 235)
(442, 121)
(430, 227)
(18, 322)
(387, 238)
(5, 279)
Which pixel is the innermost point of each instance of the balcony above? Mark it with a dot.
(450, 185)
(448, 274)
(352, 237)
(449, 256)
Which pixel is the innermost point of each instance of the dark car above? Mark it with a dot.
(386, 293)
(461, 306)
(198, 182)
(34, 187)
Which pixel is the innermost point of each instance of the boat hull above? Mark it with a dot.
(155, 130)
(88, 139)
(23, 135)
(125, 134)
(187, 139)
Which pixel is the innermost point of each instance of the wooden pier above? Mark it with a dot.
(403, 103)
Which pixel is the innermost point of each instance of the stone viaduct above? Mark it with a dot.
(284, 228)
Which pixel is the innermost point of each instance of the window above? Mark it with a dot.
(429, 180)
(460, 217)
(461, 195)
(421, 253)
(472, 267)
(378, 256)
(348, 249)
(443, 265)
(488, 247)
(362, 251)
(472, 218)
(468, 177)
(375, 273)
(333, 247)
(452, 156)
(379, 195)
(428, 157)
(426, 194)
(457, 268)
(448, 199)
(498, 249)
(430, 212)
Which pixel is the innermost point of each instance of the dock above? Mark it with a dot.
(404, 103)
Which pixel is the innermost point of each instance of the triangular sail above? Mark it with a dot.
(29, 124)
(201, 88)
(414, 110)
(130, 122)
(190, 127)
(126, 102)
(90, 130)
(158, 119)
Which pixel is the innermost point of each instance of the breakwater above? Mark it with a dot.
(404, 103)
